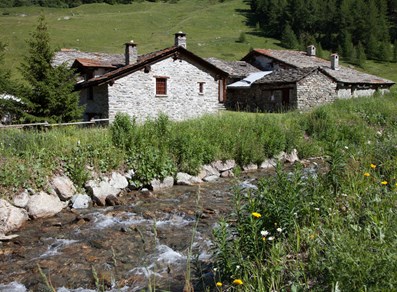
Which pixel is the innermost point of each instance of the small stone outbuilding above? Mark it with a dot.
(299, 80)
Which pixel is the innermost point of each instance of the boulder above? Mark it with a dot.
(222, 166)
(81, 201)
(210, 170)
(63, 187)
(100, 190)
(211, 178)
(43, 205)
(250, 167)
(118, 181)
(21, 200)
(268, 163)
(292, 157)
(183, 178)
(112, 200)
(11, 217)
(156, 184)
(196, 180)
(227, 173)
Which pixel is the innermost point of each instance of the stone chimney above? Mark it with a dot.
(180, 39)
(131, 53)
(311, 50)
(334, 62)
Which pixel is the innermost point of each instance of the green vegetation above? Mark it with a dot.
(337, 227)
(49, 95)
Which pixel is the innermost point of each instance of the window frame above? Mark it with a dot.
(201, 88)
(161, 85)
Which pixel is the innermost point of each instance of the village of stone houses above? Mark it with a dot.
(198, 145)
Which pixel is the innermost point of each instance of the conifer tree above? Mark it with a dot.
(49, 96)
(288, 38)
(395, 51)
(360, 53)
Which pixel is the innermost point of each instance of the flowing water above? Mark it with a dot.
(144, 243)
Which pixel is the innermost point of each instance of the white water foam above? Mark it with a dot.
(168, 255)
(103, 221)
(53, 249)
(13, 287)
(174, 220)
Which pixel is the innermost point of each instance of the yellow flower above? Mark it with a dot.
(373, 166)
(384, 183)
(238, 282)
(256, 215)
(366, 174)
(219, 284)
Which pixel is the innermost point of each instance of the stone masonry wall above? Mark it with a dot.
(315, 89)
(135, 94)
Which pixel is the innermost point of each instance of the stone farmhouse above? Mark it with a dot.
(298, 80)
(173, 81)
(182, 85)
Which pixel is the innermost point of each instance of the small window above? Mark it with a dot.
(201, 87)
(161, 86)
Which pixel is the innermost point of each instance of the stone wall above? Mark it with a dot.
(96, 102)
(315, 89)
(135, 94)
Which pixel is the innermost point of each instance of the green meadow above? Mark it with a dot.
(214, 29)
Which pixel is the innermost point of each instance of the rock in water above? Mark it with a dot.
(43, 205)
(11, 218)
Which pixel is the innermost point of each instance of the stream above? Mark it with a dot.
(140, 245)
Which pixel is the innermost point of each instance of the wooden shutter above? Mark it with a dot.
(161, 86)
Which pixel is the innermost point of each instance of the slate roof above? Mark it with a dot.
(176, 52)
(68, 56)
(92, 63)
(299, 59)
(286, 76)
(236, 69)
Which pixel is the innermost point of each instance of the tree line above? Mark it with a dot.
(357, 29)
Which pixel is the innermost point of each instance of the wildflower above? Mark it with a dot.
(383, 183)
(265, 233)
(256, 214)
(373, 166)
(219, 284)
(279, 230)
(344, 195)
(317, 209)
(271, 238)
(366, 174)
(312, 236)
(237, 267)
(215, 269)
(346, 147)
(238, 282)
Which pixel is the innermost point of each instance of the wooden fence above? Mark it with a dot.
(93, 122)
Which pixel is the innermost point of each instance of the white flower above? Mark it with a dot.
(237, 267)
(279, 230)
(317, 209)
(265, 233)
(346, 147)
(271, 238)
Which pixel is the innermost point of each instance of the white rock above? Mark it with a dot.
(11, 217)
(101, 190)
(210, 170)
(211, 178)
(21, 200)
(292, 157)
(224, 166)
(81, 201)
(43, 205)
(118, 181)
(183, 179)
(168, 182)
(63, 187)
(227, 173)
(268, 163)
(250, 167)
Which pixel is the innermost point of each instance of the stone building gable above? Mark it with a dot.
(135, 93)
(315, 89)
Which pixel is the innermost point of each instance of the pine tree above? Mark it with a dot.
(288, 38)
(360, 53)
(49, 96)
(395, 51)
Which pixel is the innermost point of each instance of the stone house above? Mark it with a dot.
(301, 80)
(172, 81)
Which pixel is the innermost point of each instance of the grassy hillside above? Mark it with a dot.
(213, 29)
